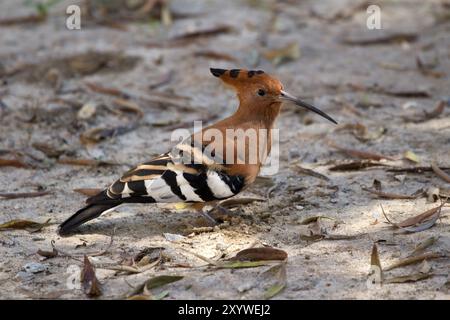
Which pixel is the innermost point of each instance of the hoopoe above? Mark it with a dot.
(205, 179)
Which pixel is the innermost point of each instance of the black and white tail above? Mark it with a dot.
(83, 215)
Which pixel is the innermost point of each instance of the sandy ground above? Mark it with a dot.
(355, 83)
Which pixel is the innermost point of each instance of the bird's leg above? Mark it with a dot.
(210, 219)
(222, 210)
(199, 208)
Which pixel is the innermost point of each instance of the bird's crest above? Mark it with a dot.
(247, 80)
(235, 74)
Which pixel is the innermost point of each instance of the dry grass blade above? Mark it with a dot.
(415, 259)
(389, 195)
(215, 55)
(106, 90)
(33, 18)
(88, 191)
(311, 173)
(360, 154)
(243, 264)
(28, 225)
(96, 135)
(234, 202)
(440, 173)
(24, 195)
(414, 169)
(409, 278)
(356, 165)
(387, 38)
(128, 106)
(260, 254)
(13, 163)
(214, 31)
(91, 285)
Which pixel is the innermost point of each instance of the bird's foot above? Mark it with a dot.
(210, 219)
(222, 211)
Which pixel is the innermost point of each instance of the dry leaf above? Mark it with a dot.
(90, 192)
(408, 278)
(414, 169)
(129, 106)
(13, 163)
(360, 154)
(48, 254)
(106, 90)
(311, 173)
(367, 39)
(423, 245)
(356, 165)
(411, 156)
(91, 285)
(33, 18)
(278, 272)
(153, 283)
(440, 173)
(389, 195)
(215, 55)
(414, 259)
(420, 222)
(24, 195)
(260, 254)
(376, 271)
(96, 135)
(28, 225)
(242, 264)
(214, 31)
(87, 111)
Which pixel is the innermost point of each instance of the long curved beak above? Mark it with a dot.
(286, 96)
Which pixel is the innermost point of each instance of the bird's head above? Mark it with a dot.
(259, 91)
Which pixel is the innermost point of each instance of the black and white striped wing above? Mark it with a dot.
(163, 180)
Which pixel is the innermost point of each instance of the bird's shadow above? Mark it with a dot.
(142, 224)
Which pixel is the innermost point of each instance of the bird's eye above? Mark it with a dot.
(261, 92)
